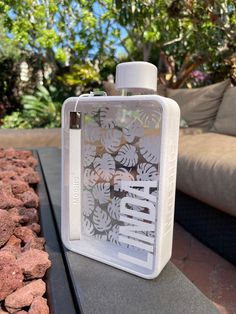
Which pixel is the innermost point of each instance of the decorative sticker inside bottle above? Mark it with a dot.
(121, 154)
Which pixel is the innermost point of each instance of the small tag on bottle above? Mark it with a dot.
(75, 120)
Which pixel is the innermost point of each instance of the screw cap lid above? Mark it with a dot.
(138, 74)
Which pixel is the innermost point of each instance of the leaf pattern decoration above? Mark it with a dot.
(150, 148)
(88, 228)
(133, 130)
(92, 111)
(105, 166)
(139, 208)
(106, 117)
(113, 234)
(88, 203)
(127, 155)
(121, 174)
(151, 117)
(111, 140)
(101, 220)
(101, 192)
(102, 237)
(92, 132)
(114, 208)
(89, 154)
(90, 178)
(146, 172)
(150, 234)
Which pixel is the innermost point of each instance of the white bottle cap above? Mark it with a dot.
(139, 74)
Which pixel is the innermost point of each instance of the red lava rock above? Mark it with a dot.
(39, 306)
(33, 263)
(6, 166)
(7, 198)
(23, 154)
(2, 311)
(31, 213)
(14, 181)
(35, 228)
(29, 198)
(28, 175)
(9, 152)
(21, 163)
(4, 163)
(19, 186)
(22, 256)
(12, 153)
(32, 162)
(29, 162)
(5, 188)
(24, 296)
(37, 243)
(8, 175)
(24, 233)
(17, 217)
(13, 246)
(7, 202)
(7, 226)
(11, 276)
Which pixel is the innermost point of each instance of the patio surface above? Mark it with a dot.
(212, 274)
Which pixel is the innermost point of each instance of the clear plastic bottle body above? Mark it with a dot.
(117, 217)
(120, 143)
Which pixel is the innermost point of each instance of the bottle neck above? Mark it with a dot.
(124, 92)
(136, 91)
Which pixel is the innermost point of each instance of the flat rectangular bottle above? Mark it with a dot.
(119, 157)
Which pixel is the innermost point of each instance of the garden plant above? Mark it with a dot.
(50, 50)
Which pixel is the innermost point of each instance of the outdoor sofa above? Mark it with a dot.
(206, 173)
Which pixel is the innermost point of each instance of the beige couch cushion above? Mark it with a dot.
(226, 117)
(207, 169)
(192, 131)
(199, 106)
(30, 138)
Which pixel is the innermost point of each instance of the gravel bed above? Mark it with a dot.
(23, 260)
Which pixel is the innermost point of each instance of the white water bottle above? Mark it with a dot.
(119, 157)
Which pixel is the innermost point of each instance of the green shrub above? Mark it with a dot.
(39, 110)
(15, 120)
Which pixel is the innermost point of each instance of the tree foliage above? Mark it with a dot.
(74, 45)
(181, 36)
(63, 35)
(67, 31)
(64, 43)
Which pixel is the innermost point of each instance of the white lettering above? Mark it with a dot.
(136, 225)
(146, 185)
(142, 203)
(138, 221)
